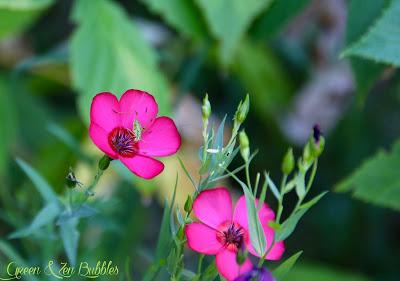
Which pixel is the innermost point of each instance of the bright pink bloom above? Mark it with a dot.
(112, 129)
(221, 232)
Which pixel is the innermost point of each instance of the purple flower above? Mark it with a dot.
(256, 274)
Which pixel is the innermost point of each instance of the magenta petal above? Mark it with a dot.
(144, 167)
(213, 206)
(104, 111)
(228, 267)
(161, 139)
(137, 105)
(240, 215)
(276, 252)
(100, 138)
(202, 238)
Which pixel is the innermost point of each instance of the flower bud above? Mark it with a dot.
(288, 162)
(188, 204)
(244, 145)
(206, 108)
(104, 162)
(243, 110)
(307, 154)
(317, 142)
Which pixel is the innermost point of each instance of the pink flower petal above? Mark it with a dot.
(104, 111)
(202, 238)
(228, 267)
(213, 206)
(240, 215)
(100, 138)
(142, 166)
(137, 105)
(266, 215)
(161, 139)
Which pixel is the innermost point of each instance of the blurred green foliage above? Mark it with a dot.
(55, 55)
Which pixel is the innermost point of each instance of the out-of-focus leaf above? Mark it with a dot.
(9, 252)
(108, 53)
(17, 15)
(263, 77)
(70, 237)
(83, 211)
(312, 272)
(40, 183)
(8, 123)
(280, 12)
(165, 235)
(181, 14)
(210, 273)
(44, 217)
(286, 266)
(377, 180)
(382, 42)
(365, 71)
(229, 20)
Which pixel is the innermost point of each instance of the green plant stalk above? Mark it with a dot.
(280, 201)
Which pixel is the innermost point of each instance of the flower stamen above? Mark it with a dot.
(123, 141)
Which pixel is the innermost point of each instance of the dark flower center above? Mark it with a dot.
(123, 141)
(231, 235)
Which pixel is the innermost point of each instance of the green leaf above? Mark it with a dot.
(279, 14)
(44, 217)
(210, 273)
(377, 180)
(40, 183)
(273, 187)
(313, 201)
(18, 15)
(300, 185)
(263, 77)
(313, 272)
(365, 71)
(13, 255)
(382, 42)
(8, 123)
(70, 237)
(108, 53)
(229, 20)
(83, 211)
(181, 14)
(286, 266)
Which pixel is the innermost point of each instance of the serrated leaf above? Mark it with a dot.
(181, 14)
(365, 71)
(286, 266)
(108, 53)
(382, 42)
(44, 217)
(40, 183)
(18, 15)
(70, 237)
(377, 180)
(229, 20)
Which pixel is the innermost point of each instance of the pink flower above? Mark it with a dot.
(221, 232)
(129, 130)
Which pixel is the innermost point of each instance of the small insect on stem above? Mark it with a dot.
(137, 130)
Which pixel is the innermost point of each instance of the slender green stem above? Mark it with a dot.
(248, 176)
(280, 201)
(200, 263)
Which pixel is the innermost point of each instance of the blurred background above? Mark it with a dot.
(331, 62)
